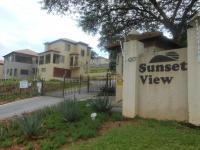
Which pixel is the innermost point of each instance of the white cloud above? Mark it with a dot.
(24, 25)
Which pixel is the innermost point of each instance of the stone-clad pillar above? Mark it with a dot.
(132, 50)
(193, 35)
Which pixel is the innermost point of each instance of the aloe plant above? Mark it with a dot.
(70, 110)
(30, 125)
(101, 104)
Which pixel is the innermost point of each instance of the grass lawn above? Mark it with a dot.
(145, 135)
(98, 70)
(95, 72)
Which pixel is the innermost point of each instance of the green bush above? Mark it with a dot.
(101, 104)
(3, 132)
(70, 110)
(30, 125)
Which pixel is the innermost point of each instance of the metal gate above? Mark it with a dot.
(75, 86)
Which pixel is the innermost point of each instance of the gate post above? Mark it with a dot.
(132, 50)
(80, 80)
(63, 92)
(193, 35)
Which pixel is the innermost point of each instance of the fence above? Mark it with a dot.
(10, 90)
(83, 84)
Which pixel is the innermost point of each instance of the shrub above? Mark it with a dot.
(30, 125)
(3, 132)
(101, 104)
(70, 110)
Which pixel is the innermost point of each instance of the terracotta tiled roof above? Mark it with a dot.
(24, 52)
(50, 51)
(142, 37)
(68, 40)
(149, 35)
(27, 52)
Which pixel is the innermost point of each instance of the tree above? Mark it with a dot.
(112, 18)
(112, 58)
(93, 54)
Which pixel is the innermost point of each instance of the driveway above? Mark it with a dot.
(31, 104)
(26, 105)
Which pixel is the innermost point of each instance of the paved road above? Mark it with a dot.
(31, 104)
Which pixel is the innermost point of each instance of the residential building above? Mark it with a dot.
(20, 64)
(99, 62)
(64, 57)
(1, 69)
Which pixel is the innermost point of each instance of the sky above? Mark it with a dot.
(24, 25)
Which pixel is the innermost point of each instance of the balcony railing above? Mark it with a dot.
(75, 65)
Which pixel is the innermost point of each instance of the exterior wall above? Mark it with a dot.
(75, 73)
(19, 66)
(160, 100)
(84, 61)
(63, 49)
(1, 71)
(48, 74)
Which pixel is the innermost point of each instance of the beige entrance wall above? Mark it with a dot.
(172, 91)
(167, 101)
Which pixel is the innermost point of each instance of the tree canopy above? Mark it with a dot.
(114, 18)
(93, 54)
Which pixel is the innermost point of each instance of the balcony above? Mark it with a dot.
(74, 61)
(74, 66)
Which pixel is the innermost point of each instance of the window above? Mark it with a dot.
(62, 59)
(7, 71)
(76, 61)
(23, 59)
(11, 72)
(41, 60)
(48, 58)
(43, 69)
(24, 72)
(83, 52)
(15, 72)
(36, 60)
(71, 61)
(88, 52)
(58, 59)
(10, 58)
(55, 58)
(34, 70)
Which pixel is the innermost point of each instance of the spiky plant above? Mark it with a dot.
(101, 104)
(30, 125)
(70, 110)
